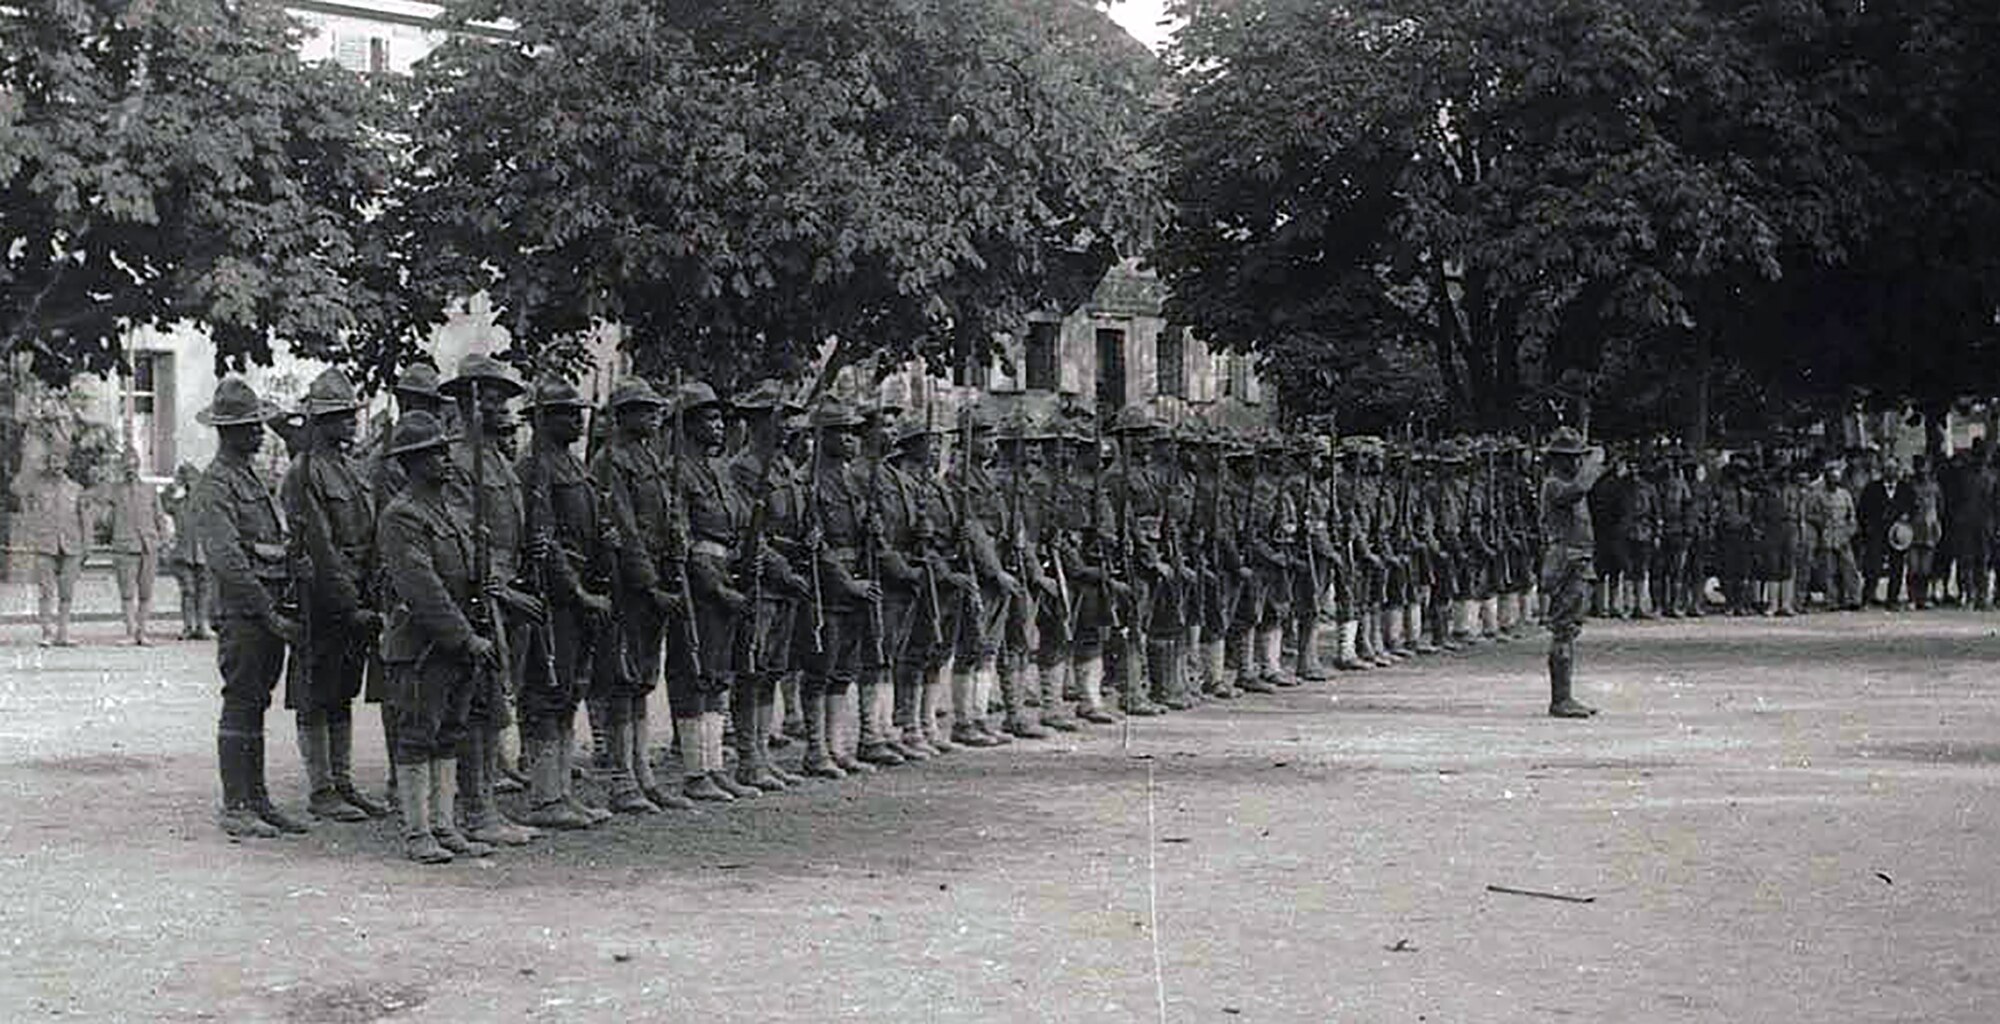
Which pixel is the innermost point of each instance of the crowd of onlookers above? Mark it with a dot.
(58, 522)
(1748, 534)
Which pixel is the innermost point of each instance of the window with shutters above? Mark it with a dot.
(1044, 355)
(149, 396)
(378, 55)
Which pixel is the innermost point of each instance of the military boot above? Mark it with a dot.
(1055, 681)
(627, 796)
(965, 731)
(548, 782)
(1221, 684)
(875, 746)
(642, 763)
(936, 704)
(1019, 677)
(989, 680)
(598, 710)
(1251, 677)
(340, 753)
(444, 796)
(1088, 674)
(753, 760)
(479, 809)
(239, 816)
(1413, 628)
(696, 782)
(1175, 693)
(315, 748)
(714, 725)
(503, 757)
(566, 733)
(260, 796)
(1561, 703)
(389, 744)
(413, 799)
(819, 761)
(1134, 685)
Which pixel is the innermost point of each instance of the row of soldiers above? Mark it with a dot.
(769, 550)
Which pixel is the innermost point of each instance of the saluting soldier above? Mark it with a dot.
(483, 388)
(243, 533)
(572, 570)
(716, 514)
(332, 514)
(638, 489)
(772, 550)
(1566, 563)
(432, 649)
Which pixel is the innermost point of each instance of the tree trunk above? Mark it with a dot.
(1698, 403)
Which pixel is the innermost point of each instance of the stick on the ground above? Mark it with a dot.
(1538, 894)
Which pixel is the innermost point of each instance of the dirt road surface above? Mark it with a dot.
(1773, 821)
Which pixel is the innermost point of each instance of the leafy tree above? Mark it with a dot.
(734, 183)
(168, 160)
(1511, 184)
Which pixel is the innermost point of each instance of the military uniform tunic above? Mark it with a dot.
(333, 522)
(243, 534)
(429, 594)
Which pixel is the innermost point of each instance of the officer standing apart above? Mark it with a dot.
(239, 526)
(137, 525)
(52, 511)
(1567, 573)
(333, 532)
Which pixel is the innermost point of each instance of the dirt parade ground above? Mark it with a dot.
(1772, 821)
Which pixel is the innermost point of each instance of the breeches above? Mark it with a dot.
(55, 581)
(431, 704)
(1568, 586)
(251, 659)
(136, 570)
(552, 685)
(838, 662)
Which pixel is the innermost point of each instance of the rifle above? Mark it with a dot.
(485, 617)
(1171, 541)
(1127, 529)
(1306, 541)
(1098, 529)
(974, 611)
(814, 542)
(689, 628)
(872, 530)
(543, 535)
(924, 538)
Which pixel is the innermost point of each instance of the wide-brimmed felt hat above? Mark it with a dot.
(417, 431)
(693, 395)
(549, 393)
(236, 404)
(1134, 419)
(910, 431)
(766, 395)
(418, 379)
(634, 391)
(834, 414)
(330, 392)
(1566, 441)
(486, 371)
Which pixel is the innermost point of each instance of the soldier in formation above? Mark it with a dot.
(899, 602)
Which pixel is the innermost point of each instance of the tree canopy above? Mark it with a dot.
(735, 183)
(1522, 200)
(168, 160)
